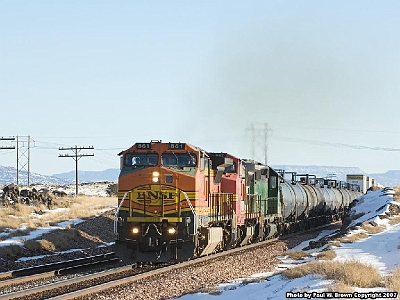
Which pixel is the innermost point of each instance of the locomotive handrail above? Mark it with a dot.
(116, 213)
(193, 212)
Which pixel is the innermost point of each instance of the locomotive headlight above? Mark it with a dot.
(155, 176)
(171, 230)
(135, 230)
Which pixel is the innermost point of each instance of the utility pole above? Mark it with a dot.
(76, 157)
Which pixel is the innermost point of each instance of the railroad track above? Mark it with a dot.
(52, 272)
(35, 270)
(83, 286)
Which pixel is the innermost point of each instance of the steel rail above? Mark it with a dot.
(69, 282)
(55, 266)
(20, 280)
(57, 270)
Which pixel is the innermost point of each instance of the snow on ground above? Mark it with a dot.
(379, 250)
(35, 234)
(88, 189)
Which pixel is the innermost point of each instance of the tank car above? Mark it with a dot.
(309, 201)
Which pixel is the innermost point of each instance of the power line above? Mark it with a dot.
(7, 139)
(338, 145)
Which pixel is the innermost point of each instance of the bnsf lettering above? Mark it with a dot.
(155, 195)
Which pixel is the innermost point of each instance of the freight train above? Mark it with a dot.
(177, 201)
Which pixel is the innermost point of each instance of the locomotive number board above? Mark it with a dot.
(143, 145)
(177, 146)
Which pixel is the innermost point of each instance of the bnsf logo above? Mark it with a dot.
(155, 195)
(155, 198)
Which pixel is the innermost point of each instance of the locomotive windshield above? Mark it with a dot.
(231, 168)
(141, 159)
(178, 159)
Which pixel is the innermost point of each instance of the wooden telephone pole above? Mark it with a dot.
(76, 157)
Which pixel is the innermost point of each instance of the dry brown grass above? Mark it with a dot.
(74, 208)
(47, 245)
(12, 217)
(83, 207)
(373, 228)
(297, 255)
(394, 220)
(392, 282)
(350, 273)
(326, 255)
(353, 238)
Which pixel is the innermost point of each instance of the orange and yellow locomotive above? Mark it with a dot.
(163, 199)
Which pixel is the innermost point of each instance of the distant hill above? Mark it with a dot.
(110, 175)
(390, 178)
(9, 175)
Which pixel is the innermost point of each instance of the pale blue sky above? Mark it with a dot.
(324, 75)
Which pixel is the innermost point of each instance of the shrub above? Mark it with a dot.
(394, 220)
(397, 194)
(373, 228)
(297, 254)
(392, 282)
(353, 238)
(335, 243)
(47, 245)
(326, 255)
